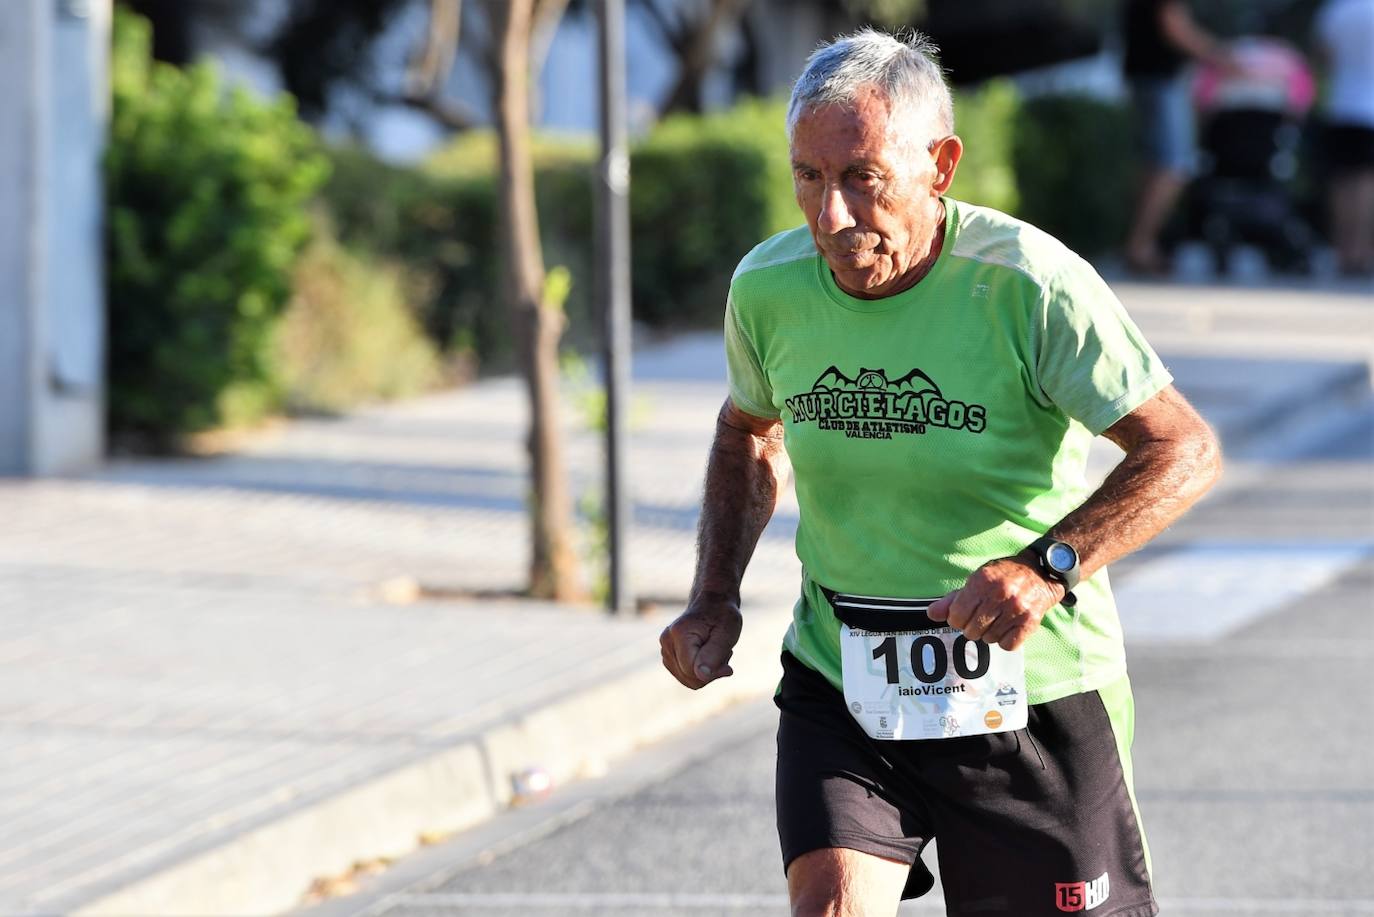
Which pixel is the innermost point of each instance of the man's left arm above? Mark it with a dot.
(1172, 459)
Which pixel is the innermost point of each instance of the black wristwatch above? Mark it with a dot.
(1058, 562)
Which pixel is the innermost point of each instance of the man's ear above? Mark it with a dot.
(947, 153)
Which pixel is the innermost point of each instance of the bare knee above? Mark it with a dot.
(836, 882)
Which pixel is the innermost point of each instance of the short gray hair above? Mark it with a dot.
(902, 66)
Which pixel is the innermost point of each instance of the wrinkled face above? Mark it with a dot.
(870, 193)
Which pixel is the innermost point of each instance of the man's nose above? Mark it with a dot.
(834, 216)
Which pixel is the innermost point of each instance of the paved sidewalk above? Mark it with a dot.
(211, 692)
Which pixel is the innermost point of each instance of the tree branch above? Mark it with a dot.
(699, 53)
(450, 114)
(431, 63)
(547, 15)
(675, 34)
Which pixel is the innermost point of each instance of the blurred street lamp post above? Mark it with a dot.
(613, 288)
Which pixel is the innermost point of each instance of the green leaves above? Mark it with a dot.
(1074, 169)
(704, 190)
(207, 191)
(985, 119)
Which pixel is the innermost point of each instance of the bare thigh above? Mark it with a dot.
(838, 882)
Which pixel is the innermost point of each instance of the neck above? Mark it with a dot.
(923, 265)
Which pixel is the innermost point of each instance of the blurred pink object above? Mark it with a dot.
(1275, 77)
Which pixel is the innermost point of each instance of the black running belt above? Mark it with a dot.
(883, 615)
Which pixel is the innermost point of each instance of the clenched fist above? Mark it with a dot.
(697, 646)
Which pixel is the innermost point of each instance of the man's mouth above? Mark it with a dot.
(852, 256)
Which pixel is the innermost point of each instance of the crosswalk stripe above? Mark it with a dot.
(1205, 591)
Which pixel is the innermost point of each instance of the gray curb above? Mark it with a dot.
(266, 870)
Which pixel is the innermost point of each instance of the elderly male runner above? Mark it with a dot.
(935, 373)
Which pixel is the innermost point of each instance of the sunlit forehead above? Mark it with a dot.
(847, 137)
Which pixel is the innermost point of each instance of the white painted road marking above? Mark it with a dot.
(1206, 591)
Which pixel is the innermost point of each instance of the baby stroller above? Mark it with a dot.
(1251, 138)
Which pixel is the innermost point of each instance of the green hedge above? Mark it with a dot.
(1074, 170)
(208, 212)
(207, 191)
(704, 190)
(441, 230)
(348, 335)
(984, 120)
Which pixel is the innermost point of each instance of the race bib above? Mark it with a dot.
(907, 677)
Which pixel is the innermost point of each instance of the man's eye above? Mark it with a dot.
(808, 174)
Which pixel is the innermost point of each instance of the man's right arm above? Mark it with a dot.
(1184, 32)
(743, 479)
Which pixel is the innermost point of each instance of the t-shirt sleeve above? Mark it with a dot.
(749, 388)
(1092, 361)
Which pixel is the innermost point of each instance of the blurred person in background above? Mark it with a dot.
(1345, 33)
(955, 667)
(1162, 39)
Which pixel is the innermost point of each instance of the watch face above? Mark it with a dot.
(1061, 557)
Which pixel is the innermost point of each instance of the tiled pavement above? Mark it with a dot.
(195, 648)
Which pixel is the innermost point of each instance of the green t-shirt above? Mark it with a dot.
(942, 427)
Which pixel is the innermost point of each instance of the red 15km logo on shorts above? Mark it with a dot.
(1081, 896)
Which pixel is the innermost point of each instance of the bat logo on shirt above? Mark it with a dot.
(875, 380)
(870, 406)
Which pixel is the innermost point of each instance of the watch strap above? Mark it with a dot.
(1040, 547)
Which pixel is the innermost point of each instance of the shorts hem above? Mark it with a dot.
(1131, 910)
(863, 843)
(1135, 910)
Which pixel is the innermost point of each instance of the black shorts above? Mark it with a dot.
(1349, 148)
(1029, 822)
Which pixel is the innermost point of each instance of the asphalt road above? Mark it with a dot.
(1253, 753)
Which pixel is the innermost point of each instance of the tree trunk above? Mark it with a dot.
(698, 55)
(553, 563)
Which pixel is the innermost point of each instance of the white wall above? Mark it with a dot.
(53, 64)
(23, 71)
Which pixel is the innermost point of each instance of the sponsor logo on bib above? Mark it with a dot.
(869, 406)
(993, 719)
